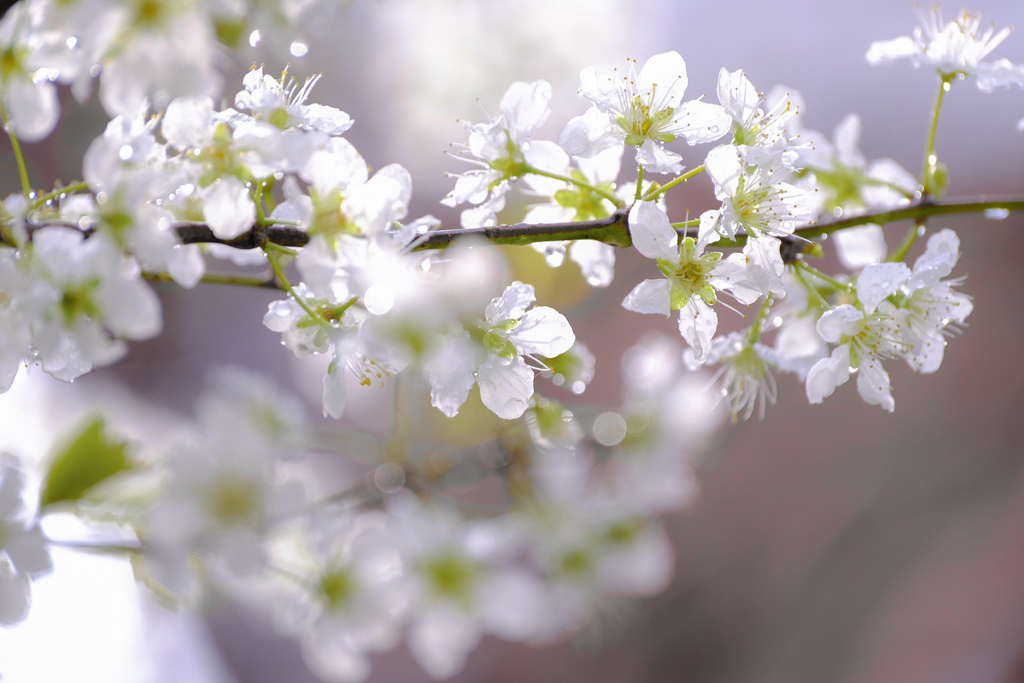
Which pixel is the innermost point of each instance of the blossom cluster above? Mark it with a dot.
(352, 567)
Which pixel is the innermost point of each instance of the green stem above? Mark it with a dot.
(813, 291)
(26, 188)
(930, 162)
(279, 272)
(915, 231)
(639, 182)
(656, 192)
(58, 191)
(220, 279)
(824, 277)
(284, 250)
(692, 223)
(613, 198)
(914, 213)
(755, 330)
(257, 197)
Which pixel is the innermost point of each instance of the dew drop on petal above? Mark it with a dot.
(125, 153)
(609, 429)
(299, 49)
(94, 70)
(254, 38)
(997, 214)
(71, 42)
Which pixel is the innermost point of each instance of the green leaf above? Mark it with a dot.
(83, 461)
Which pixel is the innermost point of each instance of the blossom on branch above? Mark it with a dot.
(644, 110)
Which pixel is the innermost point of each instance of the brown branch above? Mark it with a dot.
(613, 230)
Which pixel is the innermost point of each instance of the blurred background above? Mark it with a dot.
(828, 543)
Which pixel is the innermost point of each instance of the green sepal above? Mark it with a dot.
(82, 462)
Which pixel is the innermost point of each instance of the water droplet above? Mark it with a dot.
(126, 152)
(299, 49)
(254, 38)
(94, 70)
(609, 429)
(837, 212)
(389, 477)
(997, 214)
(71, 42)
(945, 87)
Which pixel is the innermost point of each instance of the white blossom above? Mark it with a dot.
(692, 278)
(644, 110)
(954, 47)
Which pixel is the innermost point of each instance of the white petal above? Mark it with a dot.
(650, 296)
(652, 232)
(842, 319)
(860, 246)
(441, 640)
(596, 260)
(888, 50)
(512, 304)
(33, 108)
(542, 331)
(656, 159)
(187, 122)
(873, 385)
(505, 387)
(697, 323)
(334, 390)
(700, 122)
(737, 94)
(665, 74)
(450, 373)
(725, 169)
(879, 281)
(937, 261)
(228, 208)
(131, 309)
(526, 106)
(828, 373)
(589, 134)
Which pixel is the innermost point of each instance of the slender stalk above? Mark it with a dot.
(613, 198)
(845, 286)
(57, 192)
(813, 291)
(930, 162)
(279, 272)
(692, 223)
(756, 328)
(658, 191)
(639, 182)
(915, 231)
(26, 188)
(282, 249)
(221, 279)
